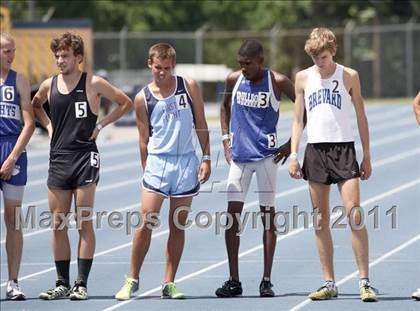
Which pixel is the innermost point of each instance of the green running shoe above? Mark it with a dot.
(325, 292)
(130, 286)
(170, 291)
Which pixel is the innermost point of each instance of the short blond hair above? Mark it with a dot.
(162, 51)
(6, 36)
(319, 40)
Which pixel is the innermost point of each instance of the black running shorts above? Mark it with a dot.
(73, 170)
(330, 163)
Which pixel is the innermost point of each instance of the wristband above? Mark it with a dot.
(99, 126)
(205, 158)
(293, 156)
(225, 137)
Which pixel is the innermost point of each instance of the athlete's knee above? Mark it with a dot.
(322, 221)
(270, 227)
(178, 225)
(85, 227)
(12, 225)
(61, 222)
(11, 217)
(233, 229)
(150, 221)
(355, 217)
(267, 212)
(87, 234)
(83, 217)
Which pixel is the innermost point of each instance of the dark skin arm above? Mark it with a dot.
(225, 111)
(282, 84)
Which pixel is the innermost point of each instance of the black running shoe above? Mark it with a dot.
(265, 289)
(230, 288)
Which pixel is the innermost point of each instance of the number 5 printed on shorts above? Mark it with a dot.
(94, 159)
(80, 109)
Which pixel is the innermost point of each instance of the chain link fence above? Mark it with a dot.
(387, 57)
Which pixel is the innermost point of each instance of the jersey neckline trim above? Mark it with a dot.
(165, 98)
(8, 76)
(332, 75)
(78, 82)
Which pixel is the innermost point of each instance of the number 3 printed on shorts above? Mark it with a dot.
(272, 140)
(81, 109)
(94, 159)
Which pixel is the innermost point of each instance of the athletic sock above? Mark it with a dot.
(135, 280)
(84, 266)
(330, 283)
(63, 272)
(363, 282)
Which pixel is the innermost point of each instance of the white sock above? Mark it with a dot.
(363, 282)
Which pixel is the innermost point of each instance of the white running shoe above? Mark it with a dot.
(13, 291)
(416, 294)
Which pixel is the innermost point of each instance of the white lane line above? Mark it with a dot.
(260, 246)
(372, 264)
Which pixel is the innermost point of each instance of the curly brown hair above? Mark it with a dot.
(66, 41)
(319, 40)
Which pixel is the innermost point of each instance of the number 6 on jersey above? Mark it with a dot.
(8, 93)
